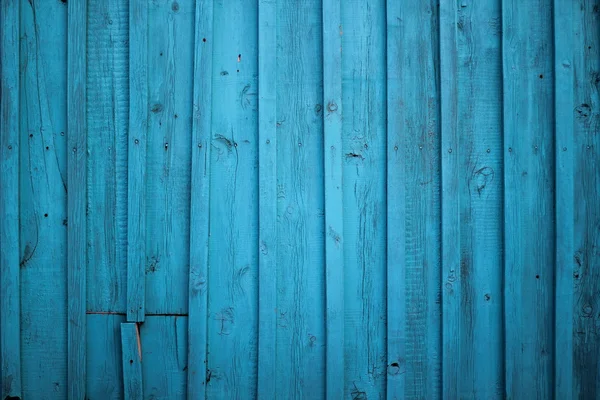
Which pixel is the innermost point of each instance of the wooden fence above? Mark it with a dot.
(300, 199)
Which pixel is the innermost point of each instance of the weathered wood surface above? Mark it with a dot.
(301, 199)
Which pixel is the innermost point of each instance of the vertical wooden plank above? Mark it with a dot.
(451, 228)
(529, 196)
(104, 357)
(44, 158)
(300, 224)
(565, 150)
(77, 198)
(418, 141)
(585, 188)
(200, 200)
(334, 216)
(10, 302)
(364, 187)
(267, 201)
(168, 158)
(107, 119)
(396, 210)
(232, 330)
(472, 198)
(131, 345)
(137, 149)
(164, 343)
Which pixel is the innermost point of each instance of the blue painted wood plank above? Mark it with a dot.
(473, 199)
(267, 201)
(565, 151)
(418, 115)
(232, 298)
(104, 356)
(131, 346)
(43, 199)
(77, 198)
(164, 344)
(585, 216)
(529, 197)
(364, 190)
(168, 158)
(300, 226)
(107, 119)
(451, 223)
(396, 210)
(200, 200)
(334, 215)
(10, 303)
(137, 152)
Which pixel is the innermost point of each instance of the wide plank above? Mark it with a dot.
(529, 187)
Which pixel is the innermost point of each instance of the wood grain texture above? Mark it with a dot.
(136, 161)
(300, 225)
(164, 344)
(200, 200)
(232, 326)
(131, 347)
(107, 121)
(43, 200)
(10, 302)
(267, 200)
(586, 181)
(451, 202)
(529, 181)
(104, 357)
(474, 191)
(334, 215)
(419, 149)
(396, 209)
(564, 52)
(77, 198)
(364, 185)
(170, 70)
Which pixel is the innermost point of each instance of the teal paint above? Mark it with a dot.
(77, 243)
(131, 347)
(317, 199)
(10, 303)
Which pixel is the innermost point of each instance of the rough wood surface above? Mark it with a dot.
(44, 219)
(300, 201)
(529, 188)
(10, 302)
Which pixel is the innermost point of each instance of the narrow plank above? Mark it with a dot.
(396, 210)
(104, 357)
(418, 115)
(170, 71)
(565, 151)
(233, 323)
(77, 198)
(131, 346)
(10, 303)
(451, 204)
(267, 201)
(475, 230)
(137, 150)
(300, 223)
(200, 200)
(334, 216)
(529, 228)
(164, 343)
(364, 191)
(107, 119)
(584, 218)
(44, 160)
